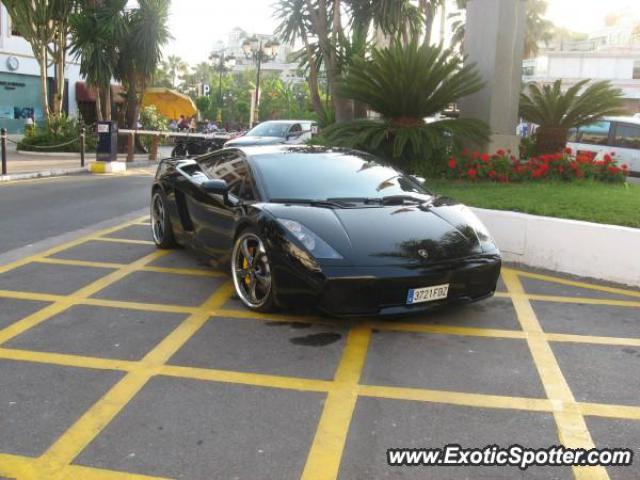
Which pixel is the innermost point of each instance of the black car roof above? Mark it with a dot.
(264, 150)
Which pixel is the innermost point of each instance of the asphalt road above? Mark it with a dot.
(34, 210)
(122, 361)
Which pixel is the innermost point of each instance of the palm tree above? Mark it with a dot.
(140, 51)
(556, 111)
(175, 67)
(95, 31)
(406, 84)
(295, 25)
(537, 28)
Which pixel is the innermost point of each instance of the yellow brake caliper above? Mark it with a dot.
(245, 266)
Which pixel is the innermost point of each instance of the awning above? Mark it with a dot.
(88, 95)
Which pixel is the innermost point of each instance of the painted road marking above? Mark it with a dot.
(572, 428)
(324, 457)
(326, 451)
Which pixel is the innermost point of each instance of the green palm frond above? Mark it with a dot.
(410, 81)
(406, 84)
(549, 106)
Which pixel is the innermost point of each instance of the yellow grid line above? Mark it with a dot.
(572, 428)
(120, 240)
(323, 461)
(325, 454)
(81, 433)
(315, 385)
(197, 272)
(575, 283)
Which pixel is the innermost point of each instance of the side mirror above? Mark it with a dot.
(420, 180)
(215, 187)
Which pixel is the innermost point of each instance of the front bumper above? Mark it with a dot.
(365, 291)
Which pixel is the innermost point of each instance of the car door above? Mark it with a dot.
(626, 142)
(214, 217)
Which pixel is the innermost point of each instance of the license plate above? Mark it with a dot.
(427, 294)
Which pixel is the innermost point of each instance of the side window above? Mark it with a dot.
(233, 169)
(627, 136)
(295, 128)
(596, 134)
(573, 135)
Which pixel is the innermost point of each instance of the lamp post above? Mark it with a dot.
(222, 63)
(254, 49)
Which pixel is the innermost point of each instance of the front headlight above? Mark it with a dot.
(312, 242)
(487, 243)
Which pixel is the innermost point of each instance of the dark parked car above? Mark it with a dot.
(332, 228)
(275, 132)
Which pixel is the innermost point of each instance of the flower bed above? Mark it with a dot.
(504, 167)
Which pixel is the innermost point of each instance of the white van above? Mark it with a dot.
(614, 134)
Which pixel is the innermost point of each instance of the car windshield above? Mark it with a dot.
(312, 175)
(270, 129)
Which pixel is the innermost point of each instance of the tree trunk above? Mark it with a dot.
(44, 88)
(107, 103)
(343, 107)
(59, 56)
(99, 115)
(314, 88)
(359, 109)
(551, 140)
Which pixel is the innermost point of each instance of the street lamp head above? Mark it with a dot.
(230, 61)
(255, 44)
(246, 48)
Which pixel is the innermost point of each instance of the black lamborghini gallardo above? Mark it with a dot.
(330, 228)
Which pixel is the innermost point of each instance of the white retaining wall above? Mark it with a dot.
(605, 252)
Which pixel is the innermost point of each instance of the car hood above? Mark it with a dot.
(391, 235)
(248, 141)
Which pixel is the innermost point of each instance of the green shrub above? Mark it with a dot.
(59, 134)
(152, 120)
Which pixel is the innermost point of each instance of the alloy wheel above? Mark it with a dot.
(251, 271)
(158, 218)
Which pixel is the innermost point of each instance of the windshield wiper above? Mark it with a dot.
(388, 200)
(314, 203)
(402, 199)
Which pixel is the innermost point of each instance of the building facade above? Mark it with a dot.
(20, 92)
(611, 52)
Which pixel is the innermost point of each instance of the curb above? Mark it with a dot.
(60, 172)
(584, 249)
(28, 153)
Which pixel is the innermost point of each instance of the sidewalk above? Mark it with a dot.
(19, 163)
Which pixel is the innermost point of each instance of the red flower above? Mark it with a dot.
(607, 158)
(492, 173)
(465, 152)
(614, 170)
(568, 151)
(472, 173)
(537, 174)
(475, 155)
(500, 153)
(485, 157)
(452, 163)
(624, 166)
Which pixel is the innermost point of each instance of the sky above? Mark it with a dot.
(197, 25)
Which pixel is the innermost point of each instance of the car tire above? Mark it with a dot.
(161, 228)
(251, 271)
